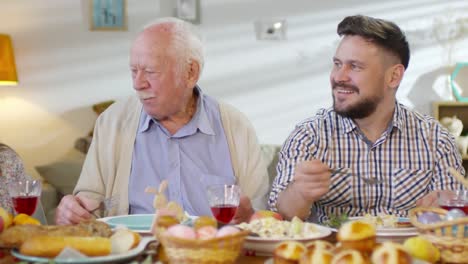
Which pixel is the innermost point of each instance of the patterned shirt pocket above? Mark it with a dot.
(340, 193)
(408, 186)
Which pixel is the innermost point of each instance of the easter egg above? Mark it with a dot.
(227, 230)
(454, 214)
(429, 218)
(206, 232)
(181, 231)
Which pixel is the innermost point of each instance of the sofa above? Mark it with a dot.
(60, 177)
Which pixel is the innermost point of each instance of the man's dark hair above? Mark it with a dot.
(383, 33)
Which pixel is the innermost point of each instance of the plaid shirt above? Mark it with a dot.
(409, 160)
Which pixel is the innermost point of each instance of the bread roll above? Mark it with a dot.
(350, 256)
(316, 255)
(391, 253)
(123, 240)
(357, 235)
(288, 252)
(51, 246)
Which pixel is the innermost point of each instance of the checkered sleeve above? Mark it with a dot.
(297, 148)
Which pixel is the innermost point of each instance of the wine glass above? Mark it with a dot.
(25, 195)
(224, 200)
(457, 199)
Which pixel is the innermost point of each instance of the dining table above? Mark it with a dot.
(6, 257)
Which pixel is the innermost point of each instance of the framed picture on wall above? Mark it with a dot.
(108, 15)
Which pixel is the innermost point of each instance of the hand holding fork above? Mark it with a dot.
(105, 206)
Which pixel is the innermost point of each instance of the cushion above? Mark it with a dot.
(63, 173)
(270, 155)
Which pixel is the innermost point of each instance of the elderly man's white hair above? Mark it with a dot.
(186, 43)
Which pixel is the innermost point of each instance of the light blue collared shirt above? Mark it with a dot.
(191, 159)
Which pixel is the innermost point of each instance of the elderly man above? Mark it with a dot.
(369, 153)
(172, 131)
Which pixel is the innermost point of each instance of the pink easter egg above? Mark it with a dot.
(206, 232)
(181, 231)
(227, 230)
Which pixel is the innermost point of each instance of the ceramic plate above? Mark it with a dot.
(264, 246)
(104, 259)
(415, 261)
(394, 231)
(138, 222)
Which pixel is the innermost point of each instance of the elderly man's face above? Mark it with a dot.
(162, 90)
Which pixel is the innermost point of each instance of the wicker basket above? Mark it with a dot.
(220, 250)
(453, 245)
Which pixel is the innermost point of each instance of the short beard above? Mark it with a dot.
(361, 109)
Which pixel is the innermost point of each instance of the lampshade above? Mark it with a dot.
(8, 74)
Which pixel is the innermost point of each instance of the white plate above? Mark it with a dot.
(415, 261)
(259, 246)
(392, 231)
(104, 259)
(140, 223)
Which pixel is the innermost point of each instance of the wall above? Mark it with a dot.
(64, 68)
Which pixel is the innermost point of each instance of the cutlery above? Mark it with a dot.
(365, 180)
(105, 205)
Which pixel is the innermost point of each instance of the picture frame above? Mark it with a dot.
(188, 10)
(108, 15)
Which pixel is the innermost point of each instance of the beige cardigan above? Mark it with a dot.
(106, 169)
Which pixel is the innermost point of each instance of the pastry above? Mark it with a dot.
(316, 255)
(358, 235)
(288, 252)
(319, 244)
(391, 253)
(350, 256)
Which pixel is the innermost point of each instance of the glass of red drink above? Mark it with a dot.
(25, 195)
(454, 200)
(224, 200)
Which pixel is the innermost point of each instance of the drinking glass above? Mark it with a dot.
(25, 195)
(224, 200)
(454, 200)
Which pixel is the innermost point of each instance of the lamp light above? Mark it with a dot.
(270, 29)
(8, 74)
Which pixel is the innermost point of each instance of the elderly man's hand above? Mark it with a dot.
(74, 209)
(244, 211)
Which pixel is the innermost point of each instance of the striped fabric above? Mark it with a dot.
(409, 160)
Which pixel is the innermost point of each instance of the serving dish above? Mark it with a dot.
(259, 246)
(113, 258)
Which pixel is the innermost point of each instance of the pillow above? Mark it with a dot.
(270, 155)
(98, 109)
(64, 173)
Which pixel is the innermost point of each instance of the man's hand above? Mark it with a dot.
(244, 211)
(430, 199)
(311, 181)
(74, 209)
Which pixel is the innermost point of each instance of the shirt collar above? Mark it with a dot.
(397, 120)
(199, 120)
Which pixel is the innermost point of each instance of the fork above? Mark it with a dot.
(105, 205)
